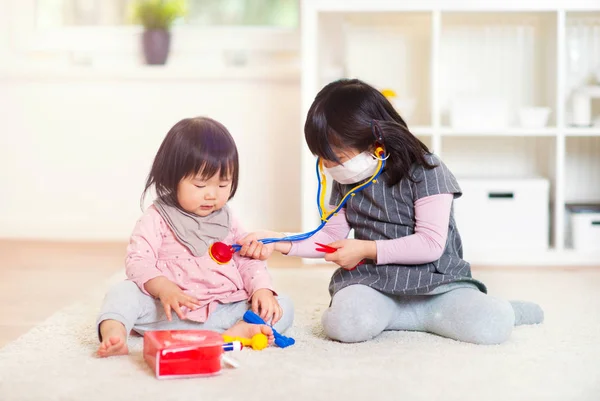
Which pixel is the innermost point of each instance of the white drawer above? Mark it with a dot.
(586, 231)
(508, 214)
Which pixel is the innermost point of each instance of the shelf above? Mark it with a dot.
(450, 6)
(547, 131)
(149, 73)
(494, 64)
(506, 132)
(390, 51)
(495, 156)
(474, 64)
(581, 68)
(582, 169)
(590, 131)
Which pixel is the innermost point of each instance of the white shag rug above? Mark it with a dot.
(559, 360)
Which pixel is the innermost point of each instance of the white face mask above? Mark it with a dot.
(359, 168)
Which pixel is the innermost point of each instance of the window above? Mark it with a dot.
(100, 32)
(265, 13)
(63, 13)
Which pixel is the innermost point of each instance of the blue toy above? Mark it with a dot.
(280, 341)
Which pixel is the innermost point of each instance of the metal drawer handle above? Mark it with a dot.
(501, 195)
(596, 223)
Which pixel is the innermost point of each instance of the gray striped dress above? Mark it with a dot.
(381, 212)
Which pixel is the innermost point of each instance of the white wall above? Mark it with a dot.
(4, 30)
(75, 147)
(76, 143)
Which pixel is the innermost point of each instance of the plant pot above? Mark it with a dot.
(156, 44)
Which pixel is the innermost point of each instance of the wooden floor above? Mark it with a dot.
(39, 278)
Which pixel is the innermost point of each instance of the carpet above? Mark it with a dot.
(558, 360)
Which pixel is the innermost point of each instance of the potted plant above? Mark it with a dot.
(157, 17)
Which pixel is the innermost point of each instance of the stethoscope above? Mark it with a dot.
(223, 253)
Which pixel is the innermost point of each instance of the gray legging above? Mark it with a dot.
(359, 313)
(125, 303)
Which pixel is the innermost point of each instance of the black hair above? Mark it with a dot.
(350, 113)
(193, 146)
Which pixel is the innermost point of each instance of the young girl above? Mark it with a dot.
(172, 281)
(404, 270)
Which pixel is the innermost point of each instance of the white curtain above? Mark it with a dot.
(58, 13)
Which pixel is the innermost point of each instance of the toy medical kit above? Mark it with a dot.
(325, 248)
(186, 353)
(257, 342)
(223, 253)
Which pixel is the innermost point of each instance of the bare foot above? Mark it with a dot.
(248, 330)
(114, 339)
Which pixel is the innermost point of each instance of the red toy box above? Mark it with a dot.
(183, 353)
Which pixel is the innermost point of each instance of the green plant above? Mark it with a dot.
(158, 14)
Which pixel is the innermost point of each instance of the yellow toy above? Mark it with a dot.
(257, 342)
(389, 93)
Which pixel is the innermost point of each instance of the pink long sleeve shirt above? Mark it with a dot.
(154, 251)
(432, 215)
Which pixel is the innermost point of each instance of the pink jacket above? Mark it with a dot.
(154, 251)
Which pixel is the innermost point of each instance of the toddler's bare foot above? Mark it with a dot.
(248, 330)
(114, 339)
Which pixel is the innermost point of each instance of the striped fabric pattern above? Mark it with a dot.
(381, 212)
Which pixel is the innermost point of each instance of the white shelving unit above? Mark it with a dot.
(527, 53)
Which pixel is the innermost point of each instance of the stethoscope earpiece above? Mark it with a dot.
(378, 152)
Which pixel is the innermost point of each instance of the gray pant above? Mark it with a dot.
(359, 313)
(137, 311)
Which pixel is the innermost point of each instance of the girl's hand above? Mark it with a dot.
(350, 252)
(171, 296)
(266, 306)
(252, 248)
